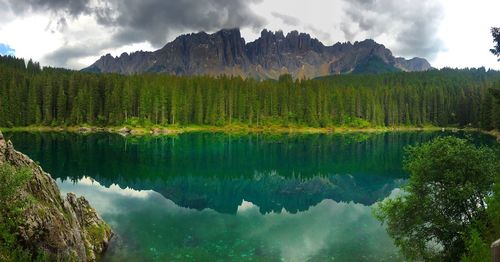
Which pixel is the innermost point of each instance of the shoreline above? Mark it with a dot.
(175, 130)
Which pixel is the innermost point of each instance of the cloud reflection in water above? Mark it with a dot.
(150, 226)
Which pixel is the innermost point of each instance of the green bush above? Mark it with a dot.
(11, 207)
(484, 232)
(133, 121)
(477, 250)
(356, 122)
(449, 192)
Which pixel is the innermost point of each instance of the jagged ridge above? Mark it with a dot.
(269, 56)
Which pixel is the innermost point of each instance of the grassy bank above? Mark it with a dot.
(233, 129)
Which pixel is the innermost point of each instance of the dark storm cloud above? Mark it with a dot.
(150, 20)
(70, 7)
(154, 19)
(289, 20)
(65, 55)
(318, 32)
(413, 24)
(134, 21)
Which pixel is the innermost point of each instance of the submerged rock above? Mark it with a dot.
(161, 131)
(84, 129)
(65, 229)
(125, 130)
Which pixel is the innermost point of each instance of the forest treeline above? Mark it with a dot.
(30, 95)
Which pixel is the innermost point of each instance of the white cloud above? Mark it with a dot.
(246, 206)
(77, 41)
(466, 32)
(113, 189)
(29, 37)
(327, 228)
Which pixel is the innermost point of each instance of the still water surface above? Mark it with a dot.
(217, 197)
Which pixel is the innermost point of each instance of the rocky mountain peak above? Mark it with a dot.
(233, 32)
(269, 56)
(414, 64)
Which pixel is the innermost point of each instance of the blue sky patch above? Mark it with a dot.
(6, 50)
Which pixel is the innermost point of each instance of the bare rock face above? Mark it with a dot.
(269, 56)
(414, 64)
(66, 229)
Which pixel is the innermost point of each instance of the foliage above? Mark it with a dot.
(43, 97)
(477, 250)
(97, 232)
(491, 231)
(374, 65)
(356, 122)
(495, 108)
(133, 121)
(495, 32)
(11, 206)
(450, 181)
(482, 234)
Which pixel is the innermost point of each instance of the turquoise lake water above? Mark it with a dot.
(217, 197)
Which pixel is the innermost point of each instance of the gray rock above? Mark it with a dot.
(68, 229)
(414, 64)
(125, 130)
(84, 129)
(269, 56)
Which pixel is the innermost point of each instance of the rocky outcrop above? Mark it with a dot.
(414, 64)
(65, 229)
(269, 56)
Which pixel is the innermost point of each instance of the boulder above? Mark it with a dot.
(125, 130)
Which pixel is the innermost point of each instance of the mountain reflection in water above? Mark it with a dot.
(214, 197)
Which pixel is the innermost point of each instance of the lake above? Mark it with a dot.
(219, 197)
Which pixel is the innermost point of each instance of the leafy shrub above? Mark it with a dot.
(448, 194)
(11, 206)
(356, 122)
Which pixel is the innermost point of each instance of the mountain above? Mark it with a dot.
(269, 56)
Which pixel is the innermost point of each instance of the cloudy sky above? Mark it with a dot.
(74, 33)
